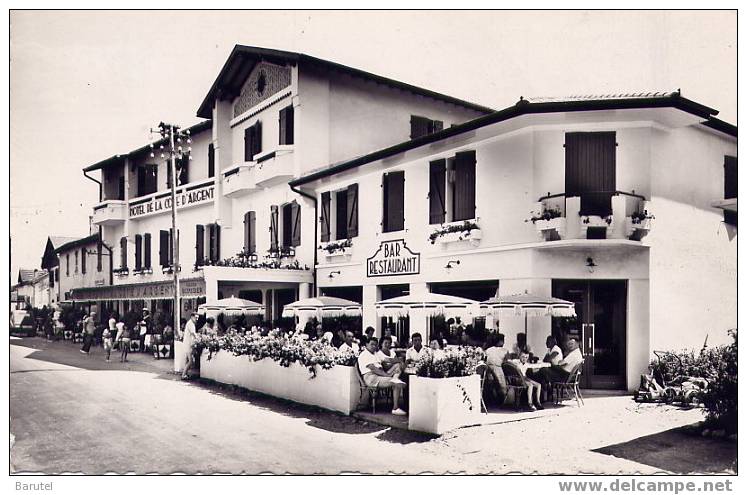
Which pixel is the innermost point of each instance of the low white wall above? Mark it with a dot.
(336, 389)
(441, 404)
(180, 356)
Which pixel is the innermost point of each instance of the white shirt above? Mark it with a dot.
(189, 333)
(413, 355)
(345, 347)
(383, 357)
(365, 359)
(558, 358)
(523, 367)
(496, 355)
(112, 324)
(438, 353)
(571, 360)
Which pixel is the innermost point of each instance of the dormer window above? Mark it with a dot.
(422, 126)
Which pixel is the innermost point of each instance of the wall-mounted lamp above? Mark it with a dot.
(332, 274)
(450, 264)
(590, 264)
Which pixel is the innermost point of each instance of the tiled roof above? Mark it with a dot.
(615, 96)
(59, 240)
(25, 275)
(75, 242)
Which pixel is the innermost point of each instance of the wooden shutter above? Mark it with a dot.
(273, 227)
(163, 248)
(296, 224)
(436, 195)
(168, 175)
(281, 125)
(146, 250)
(251, 245)
(83, 260)
(352, 215)
(214, 236)
(138, 252)
(730, 177)
(435, 126)
(324, 218)
(418, 126)
(199, 245)
(183, 170)
(464, 186)
(247, 233)
(211, 160)
(590, 170)
(286, 125)
(122, 252)
(257, 138)
(394, 199)
(171, 247)
(248, 143)
(98, 255)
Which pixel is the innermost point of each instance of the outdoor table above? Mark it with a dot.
(536, 366)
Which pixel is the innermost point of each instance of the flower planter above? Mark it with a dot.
(336, 389)
(637, 231)
(341, 251)
(596, 221)
(441, 404)
(552, 229)
(473, 236)
(180, 356)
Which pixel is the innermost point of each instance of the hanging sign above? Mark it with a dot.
(194, 287)
(393, 258)
(184, 198)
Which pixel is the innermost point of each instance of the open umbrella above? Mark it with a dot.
(232, 306)
(527, 305)
(322, 307)
(428, 304)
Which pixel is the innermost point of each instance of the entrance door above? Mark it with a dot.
(600, 328)
(590, 170)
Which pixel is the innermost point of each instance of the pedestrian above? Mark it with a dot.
(190, 333)
(89, 328)
(107, 336)
(123, 337)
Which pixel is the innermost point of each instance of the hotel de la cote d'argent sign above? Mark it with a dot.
(192, 196)
(393, 258)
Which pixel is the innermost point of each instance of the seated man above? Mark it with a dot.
(388, 333)
(374, 375)
(554, 354)
(349, 344)
(367, 335)
(388, 359)
(417, 350)
(534, 389)
(521, 345)
(496, 354)
(561, 371)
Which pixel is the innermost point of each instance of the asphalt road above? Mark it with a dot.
(94, 417)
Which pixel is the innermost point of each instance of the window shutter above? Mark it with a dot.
(122, 252)
(163, 248)
(200, 245)
(211, 160)
(98, 255)
(394, 199)
(247, 238)
(464, 186)
(324, 219)
(183, 170)
(168, 175)
(83, 260)
(436, 195)
(248, 143)
(138, 252)
(352, 210)
(171, 247)
(438, 125)
(281, 125)
(214, 235)
(730, 177)
(273, 227)
(286, 125)
(252, 246)
(257, 138)
(146, 242)
(418, 126)
(296, 223)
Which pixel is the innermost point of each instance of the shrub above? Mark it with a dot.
(460, 361)
(720, 398)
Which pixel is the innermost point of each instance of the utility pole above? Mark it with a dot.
(175, 137)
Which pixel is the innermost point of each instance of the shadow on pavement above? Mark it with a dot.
(679, 452)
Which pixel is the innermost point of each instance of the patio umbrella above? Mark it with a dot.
(527, 305)
(232, 306)
(322, 307)
(428, 304)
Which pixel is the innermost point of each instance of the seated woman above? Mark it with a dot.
(390, 363)
(534, 389)
(435, 346)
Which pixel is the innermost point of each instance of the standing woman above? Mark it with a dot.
(123, 337)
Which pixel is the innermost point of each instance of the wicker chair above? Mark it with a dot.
(374, 392)
(482, 370)
(561, 390)
(515, 381)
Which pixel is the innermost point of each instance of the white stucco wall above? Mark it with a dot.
(76, 278)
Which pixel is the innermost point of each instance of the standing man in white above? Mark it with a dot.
(190, 332)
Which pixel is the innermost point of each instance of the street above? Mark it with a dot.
(75, 413)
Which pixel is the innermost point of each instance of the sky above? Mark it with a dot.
(85, 85)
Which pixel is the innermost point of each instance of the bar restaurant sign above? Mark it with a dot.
(393, 258)
(158, 204)
(155, 290)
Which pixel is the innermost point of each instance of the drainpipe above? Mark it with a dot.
(101, 236)
(316, 213)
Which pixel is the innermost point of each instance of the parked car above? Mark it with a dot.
(21, 323)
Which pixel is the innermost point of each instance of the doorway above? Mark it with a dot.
(599, 327)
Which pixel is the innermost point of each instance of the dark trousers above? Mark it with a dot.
(87, 341)
(551, 375)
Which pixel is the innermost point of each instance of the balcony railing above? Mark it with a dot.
(239, 180)
(592, 215)
(110, 212)
(274, 167)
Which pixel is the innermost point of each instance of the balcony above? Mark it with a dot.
(726, 204)
(239, 180)
(274, 167)
(110, 212)
(596, 215)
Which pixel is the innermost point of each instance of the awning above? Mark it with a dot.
(190, 289)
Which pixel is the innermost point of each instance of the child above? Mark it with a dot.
(107, 337)
(534, 389)
(123, 337)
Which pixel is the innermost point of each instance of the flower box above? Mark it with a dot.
(337, 248)
(441, 404)
(336, 389)
(637, 231)
(473, 236)
(552, 229)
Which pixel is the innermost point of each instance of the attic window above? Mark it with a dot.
(261, 83)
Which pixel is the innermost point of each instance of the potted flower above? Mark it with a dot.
(337, 248)
(638, 224)
(550, 223)
(468, 230)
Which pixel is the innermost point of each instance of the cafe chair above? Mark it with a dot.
(482, 370)
(373, 391)
(562, 390)
(516, 382)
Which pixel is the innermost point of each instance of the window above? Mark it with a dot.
(339, 209)
(211, 160)
(76, 261)
(214, 238)
(730, 187)
(123, 252)
(121, 189)
(286, 125)
(250, 232)
(291, 225)
(463, 187)
(422, 126)
(252, 141)
(182, 172)
(138, 252)
(51, 278)
(146, 251)
(165, 248)
(147, 179)
(394, 202)
(83, 260)
(67, 264)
